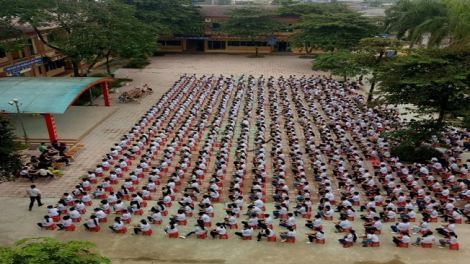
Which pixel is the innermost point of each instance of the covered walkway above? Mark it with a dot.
(46, 96)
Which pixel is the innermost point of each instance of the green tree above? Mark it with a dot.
(251, 23)
(50, 251)
(10, 160)
(331, 31)
(118, 24)
(293, 9)
(86, 31)
(371, 54)
(433, 81)
(169, 16)
(340, 63)
(439, 19)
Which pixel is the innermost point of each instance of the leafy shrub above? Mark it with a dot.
(118, 82)
(100, 74)
(84, 98)
(410, 153)
(137, 63)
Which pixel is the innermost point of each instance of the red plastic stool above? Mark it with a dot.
(307, 215)
(184, 222)
(122, 231)
(173, 235)
(70, 228)
(139, 212)
(203, 236)
(77, 219)
(147, 233)
(51, 227)
(247, 237)
(225, 236)
(290, 240)
(374, 244)
(272, 239)
(404, 245)
(94, 229)
(426, 245)
(320, 241)
(157, 222)
(454, 246)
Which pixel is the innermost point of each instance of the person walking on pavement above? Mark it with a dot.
(34, 194)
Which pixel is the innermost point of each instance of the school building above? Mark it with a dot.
(36, 59)
(211, 42)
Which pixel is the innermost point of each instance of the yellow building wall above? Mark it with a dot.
(178, 48)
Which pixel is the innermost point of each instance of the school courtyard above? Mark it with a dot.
(101, 133)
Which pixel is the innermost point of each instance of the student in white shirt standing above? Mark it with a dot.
(34, 195)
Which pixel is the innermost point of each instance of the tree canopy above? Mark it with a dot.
(330, 31)
(252, 23)
(340, 63)
(433, 81)
(50, 251)
(85, 30)
(371, 53)
(441, 20)
(169, 16)
(294, 9)
(10, 160)
(92, 30)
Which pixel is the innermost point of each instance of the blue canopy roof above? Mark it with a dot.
(43, 94)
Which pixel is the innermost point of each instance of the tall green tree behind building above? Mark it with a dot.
(10, 160)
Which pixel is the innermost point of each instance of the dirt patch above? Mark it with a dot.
(397, 260)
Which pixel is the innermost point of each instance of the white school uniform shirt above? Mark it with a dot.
(205, 218)
(232, 220)
(145, 227)
(428, 239)
(79, 206)
(247, 232)
(118, 225)
(52, 212)
(74, 214)
(118, 206)
(47, 222)
(291, 233)
(221, 230)
(157, 216)
(67, 222)
(91, 223)
(290, 221)
(200, 231)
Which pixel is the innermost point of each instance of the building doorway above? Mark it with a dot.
(195, 45)
(282, 46)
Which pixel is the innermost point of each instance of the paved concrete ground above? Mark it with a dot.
(18, 223)
(73, 124)
(160, 75)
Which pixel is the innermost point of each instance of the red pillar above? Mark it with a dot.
(51, 129)
(105, 90)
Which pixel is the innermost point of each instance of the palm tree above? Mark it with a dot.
(438, 19)
(459, 21)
